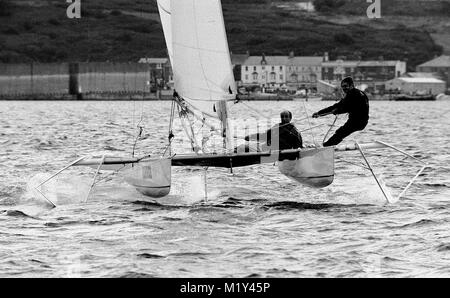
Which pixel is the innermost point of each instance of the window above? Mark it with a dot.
(246, 77)
(158, 66)
(254, 68)
(255, 76)
(263, 68)
(246, 68)
(281, 77)
(281, 67)
(273, 68)
(272, 76)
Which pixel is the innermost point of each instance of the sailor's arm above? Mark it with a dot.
(341, 107)
(327, 111)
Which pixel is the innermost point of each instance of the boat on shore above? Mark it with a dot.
(404, 97)
(443, 97)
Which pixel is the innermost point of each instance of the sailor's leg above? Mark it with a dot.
(340, 134)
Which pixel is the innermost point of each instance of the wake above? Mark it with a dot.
(61, 190)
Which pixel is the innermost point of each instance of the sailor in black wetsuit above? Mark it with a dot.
(356, 104)
(288, 136)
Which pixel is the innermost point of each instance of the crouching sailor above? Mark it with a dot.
(283, 135)
(356, 104)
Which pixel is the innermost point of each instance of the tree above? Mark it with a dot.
(327, 5)
(343, 38)
(5, 8)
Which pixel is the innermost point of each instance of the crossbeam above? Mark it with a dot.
(251, 157)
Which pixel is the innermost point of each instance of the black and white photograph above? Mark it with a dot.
(242, 141)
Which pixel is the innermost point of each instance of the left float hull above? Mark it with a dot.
(151, 178)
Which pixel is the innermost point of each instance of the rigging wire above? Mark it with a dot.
(331, 127)
(138, 125)
(310, 126)
(255, 110)
(171, 135)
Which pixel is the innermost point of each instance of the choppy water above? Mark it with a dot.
(256, 222)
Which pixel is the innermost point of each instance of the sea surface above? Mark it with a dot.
(254, 223)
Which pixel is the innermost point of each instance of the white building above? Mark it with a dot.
(303, 71)
(281, 71)
(416, 85)
(264, 71)
(439, 65)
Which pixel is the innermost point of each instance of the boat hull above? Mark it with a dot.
(151, 178)
(154, 192)
(415, 97)
(314, 168)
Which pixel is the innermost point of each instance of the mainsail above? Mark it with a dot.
(201, 59)
(165, 15)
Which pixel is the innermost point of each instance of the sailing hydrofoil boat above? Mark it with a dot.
(204, 89)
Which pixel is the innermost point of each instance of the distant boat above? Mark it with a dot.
(443, 97)
(404, 97)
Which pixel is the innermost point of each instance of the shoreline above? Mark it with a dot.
(167, 96)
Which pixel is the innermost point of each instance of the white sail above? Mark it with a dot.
(165, 15)
(201, 60)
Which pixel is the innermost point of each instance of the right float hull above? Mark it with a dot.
(314, 167)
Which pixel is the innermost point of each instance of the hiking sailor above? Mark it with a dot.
(356, 104)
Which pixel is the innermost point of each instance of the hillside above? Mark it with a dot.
(126, 30)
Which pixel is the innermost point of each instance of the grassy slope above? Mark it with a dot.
(44, 33)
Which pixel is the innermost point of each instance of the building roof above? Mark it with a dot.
(421, 80)
(421, 75)
(354, 63)
(343, 63)
(378, 63)
(154, 60)
(238, 58)
(271, 60)
(305, 60)
(285, 60)
(441, 61)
